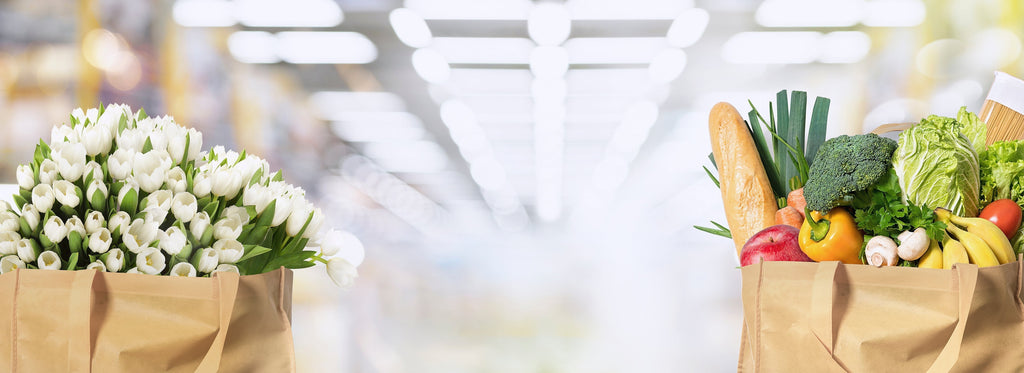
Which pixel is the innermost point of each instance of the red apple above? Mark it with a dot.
(775, 243)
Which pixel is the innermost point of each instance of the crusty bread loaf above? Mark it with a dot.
(750, 204)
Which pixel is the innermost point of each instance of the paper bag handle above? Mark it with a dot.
(80, 320)
(227, 292)
(822, 300)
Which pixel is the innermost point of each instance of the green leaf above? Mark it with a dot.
(72, 263)
(147, 146)
(718, 232)
(267, 216)
(74, 241)
(278, 176)
(19, 201)
(795, 135)
(293, 260)
(211, 209)
(130, 202)
(207, 239)
(712, 176)
(142, 114)
(98, 201)
(782, 128)
(819, 125)
(711, 157)
(122, 124)
(184, 155)
(256, 176)
(764, 153)
(253, 251)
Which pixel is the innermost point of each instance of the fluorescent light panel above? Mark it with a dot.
(327, 103)
(809, 13)
(410, 28)
(312, 47)
(894, 13)
(471, 9)
(204, 13)
(292, 13)
(376, 132)
(412, 156)
(772, 47)
(462, 50)
(635, 50)
(688, 27)
(253, 47)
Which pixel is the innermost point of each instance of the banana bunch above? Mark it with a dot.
(968, 240)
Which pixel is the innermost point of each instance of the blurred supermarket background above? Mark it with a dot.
(524, 175)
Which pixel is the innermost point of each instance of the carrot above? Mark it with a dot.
(796, 200)
(789, 215)
(750, 204)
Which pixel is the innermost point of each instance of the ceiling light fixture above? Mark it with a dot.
(410, 28)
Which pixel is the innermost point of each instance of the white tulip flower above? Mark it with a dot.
(26, 178)
(9, 221)
(237, 213)
(134, 270)
(150, 261)
(96, 139)
(207, 260)
(160, 199)
(301, 211)
(247, 167)
(199, 224)
(97, 265)
(226, 183)
(155, 215)
(119, 165)
(183, 269)
(10, 263)
(66, 193)
(227, 228)
(42, 197)
(92, 115)
(184, 206)
(131, 139)
(54, 229)
(258, 196)
(165, 159)
(129, 187)
(173, 241)
(31, 215)
(148, 171)
(70, 160)
(48, 260)
(175, 135)
(226, 268)
(119, 222)
(94, 169)
(74, 224)
(195, 144)
(27, 251)
(100, 240)
(139, 235)
(96, 189)
(48, 172)
(111, 118)
(79, 115)
(175, 180)
(114, 260)
(9, 243)
(342, 272)
(201, 185)
(94, 220)
(229, 251)
(344, 245)
(63, 134)
(315, 224)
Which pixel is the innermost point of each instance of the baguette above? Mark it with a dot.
(750, 204)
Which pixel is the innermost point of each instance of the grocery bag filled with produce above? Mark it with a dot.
(862, 253)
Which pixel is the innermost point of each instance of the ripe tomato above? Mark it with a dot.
(1005, 213)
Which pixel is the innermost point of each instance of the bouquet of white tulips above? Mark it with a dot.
(118, 191)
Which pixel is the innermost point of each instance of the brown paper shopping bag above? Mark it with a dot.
(90, 321)
(831, 317)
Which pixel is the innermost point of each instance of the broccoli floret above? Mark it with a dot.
(845, 165)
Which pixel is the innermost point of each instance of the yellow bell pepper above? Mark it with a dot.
(832, 236)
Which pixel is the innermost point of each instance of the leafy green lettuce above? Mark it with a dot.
(1002, 172)
(937, 163)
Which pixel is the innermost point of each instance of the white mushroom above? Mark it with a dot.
(913, 244)
(881, 251)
